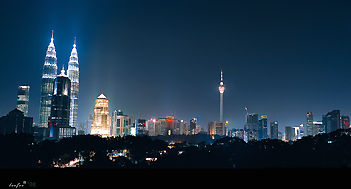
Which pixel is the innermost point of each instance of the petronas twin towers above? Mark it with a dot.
(47, 86)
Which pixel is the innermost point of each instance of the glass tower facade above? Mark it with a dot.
(23, 98)
(47, 85)
(60, 106)
(73, 75)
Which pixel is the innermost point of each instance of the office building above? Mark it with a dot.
(150, 127)
(291, 133)
(331, 121)
(239, 133)
(73, 75)
(262, 127)
(193, 126)
(23, 99)
(345, 122)
(318, 128)
(122, 124)
(309, 124)
(101, 117)
(60, 108)
(47, 85)
(218, 128)
(141, 127)
(274, 129)
(251, 126)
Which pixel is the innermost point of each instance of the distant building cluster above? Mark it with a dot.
(59, 105)
(123, 125)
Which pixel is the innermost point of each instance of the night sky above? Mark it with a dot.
(156, 58)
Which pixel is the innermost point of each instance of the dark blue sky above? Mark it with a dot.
(154, 58)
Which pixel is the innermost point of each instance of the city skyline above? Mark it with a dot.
(172, 78)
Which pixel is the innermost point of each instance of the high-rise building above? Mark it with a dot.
(121, 124)
(239, 133)
(47, 85)
(88, 123)
(262, 128)
(193, 124)
(23, 98)
(345, 122)
(218, 128)
(178, 127)
(150, 127)
(60, 108)
(16, 122)
(185, 127)
(73, 75)
(274, 129)
(331, 121)
(221, 89)
(318, 128)
(101, 117)
(251, 126)
(141, 127)
(290, 134)
(309, 124)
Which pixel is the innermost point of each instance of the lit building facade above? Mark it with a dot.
(23, 98)
(309, 124)
(345, 122)
(47, 85)
(101, 117)
(262, 129)
(331, 121)
(274, 129)
(73, 75)
(121, 124)
(60, 108)
(218, 128)
(141, 127)
(318, 128)
(193, 126)
(239, 133)
(251, 126)
(150, 127)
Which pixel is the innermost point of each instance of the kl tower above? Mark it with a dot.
(221, 89)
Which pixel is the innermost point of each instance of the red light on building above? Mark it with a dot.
(169, 120)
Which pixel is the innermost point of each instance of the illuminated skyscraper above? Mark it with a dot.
(262, 128)
(101, 118)
(218, 128)
(274, 129)
(23, 98)
(309, 124)
(251, 126)
(331, 121)
(47, 85)
(345, 122)
(221, 89)
(193, 124)
(73, 75)
(60, 108)
(121, 124)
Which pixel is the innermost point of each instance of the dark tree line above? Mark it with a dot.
(327, 150)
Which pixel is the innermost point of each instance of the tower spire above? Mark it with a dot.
(74, 43)
(52, 36)
(63, 70)
(221, 75)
